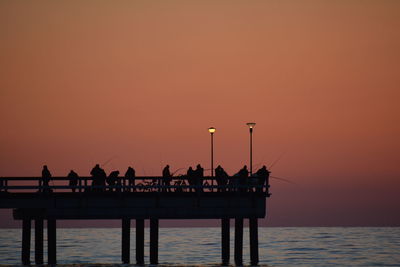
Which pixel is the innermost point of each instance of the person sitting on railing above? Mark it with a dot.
(99, 178)
(243, 176)
(191, 178)
(130, 176)
(262, 178)
(222, 178)
(167, 178)
(199, 176)
(112, 180)
(46, 176)
(73, 180)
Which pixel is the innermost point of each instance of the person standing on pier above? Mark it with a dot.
(263, 178)
(130, 176)
(190, 176)
(222, 178)
(243, 176)
(46, 176)
(167, 178)
(73, 180)
(199, 175)
(2, 184)
(99, 178)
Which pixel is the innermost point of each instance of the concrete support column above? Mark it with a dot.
(26, 242)
(139, 241)
(153, 241)
(253, 225)
(51, 242)
(225, 223)
(126, 240)
(39, 241)
(239, 241)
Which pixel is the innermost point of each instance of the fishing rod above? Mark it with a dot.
(108, 161)
(177, 171)
(255, 166)
(277, 160)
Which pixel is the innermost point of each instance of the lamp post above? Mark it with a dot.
(212, 131)
(251, 126)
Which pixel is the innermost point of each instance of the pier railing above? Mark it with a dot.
(179, 184)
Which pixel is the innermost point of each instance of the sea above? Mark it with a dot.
(287, 246)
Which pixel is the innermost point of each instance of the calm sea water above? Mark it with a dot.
(201, 246)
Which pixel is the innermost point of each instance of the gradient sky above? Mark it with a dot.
(139, 82)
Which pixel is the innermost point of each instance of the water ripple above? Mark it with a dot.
(201, 246)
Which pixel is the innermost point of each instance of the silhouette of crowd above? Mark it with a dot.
(193, 181)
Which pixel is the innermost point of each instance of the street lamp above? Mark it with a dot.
(212, 131)
(251, 126)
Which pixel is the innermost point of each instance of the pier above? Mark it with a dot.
(146, 200)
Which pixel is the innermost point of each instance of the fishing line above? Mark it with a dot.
(283, 179)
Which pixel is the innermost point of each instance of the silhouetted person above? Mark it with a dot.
(262, 178)
(99, 177)
(167, 178)
(3, 185)
(112, 179)
(218, 176)
(243, 176)
(191, 178)
(222, 178)
(73, 180)
(46, 176)
(199, 175)
(130, 176)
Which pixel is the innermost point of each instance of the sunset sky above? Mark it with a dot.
(139, 82)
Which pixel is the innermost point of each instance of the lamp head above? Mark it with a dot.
(211, 130)
(251, 124)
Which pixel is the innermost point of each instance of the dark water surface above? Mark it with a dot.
(303, 246)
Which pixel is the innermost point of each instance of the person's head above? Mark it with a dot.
(97, 166)
(45, 167)
(245, 167)
(167, 166)
(198, 166)
(190, 168)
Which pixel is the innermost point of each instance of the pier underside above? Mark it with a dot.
(136, 205)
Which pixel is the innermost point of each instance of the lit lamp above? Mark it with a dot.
(212, 131)
(251, 126)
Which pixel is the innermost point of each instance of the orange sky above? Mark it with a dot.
(140, 82)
